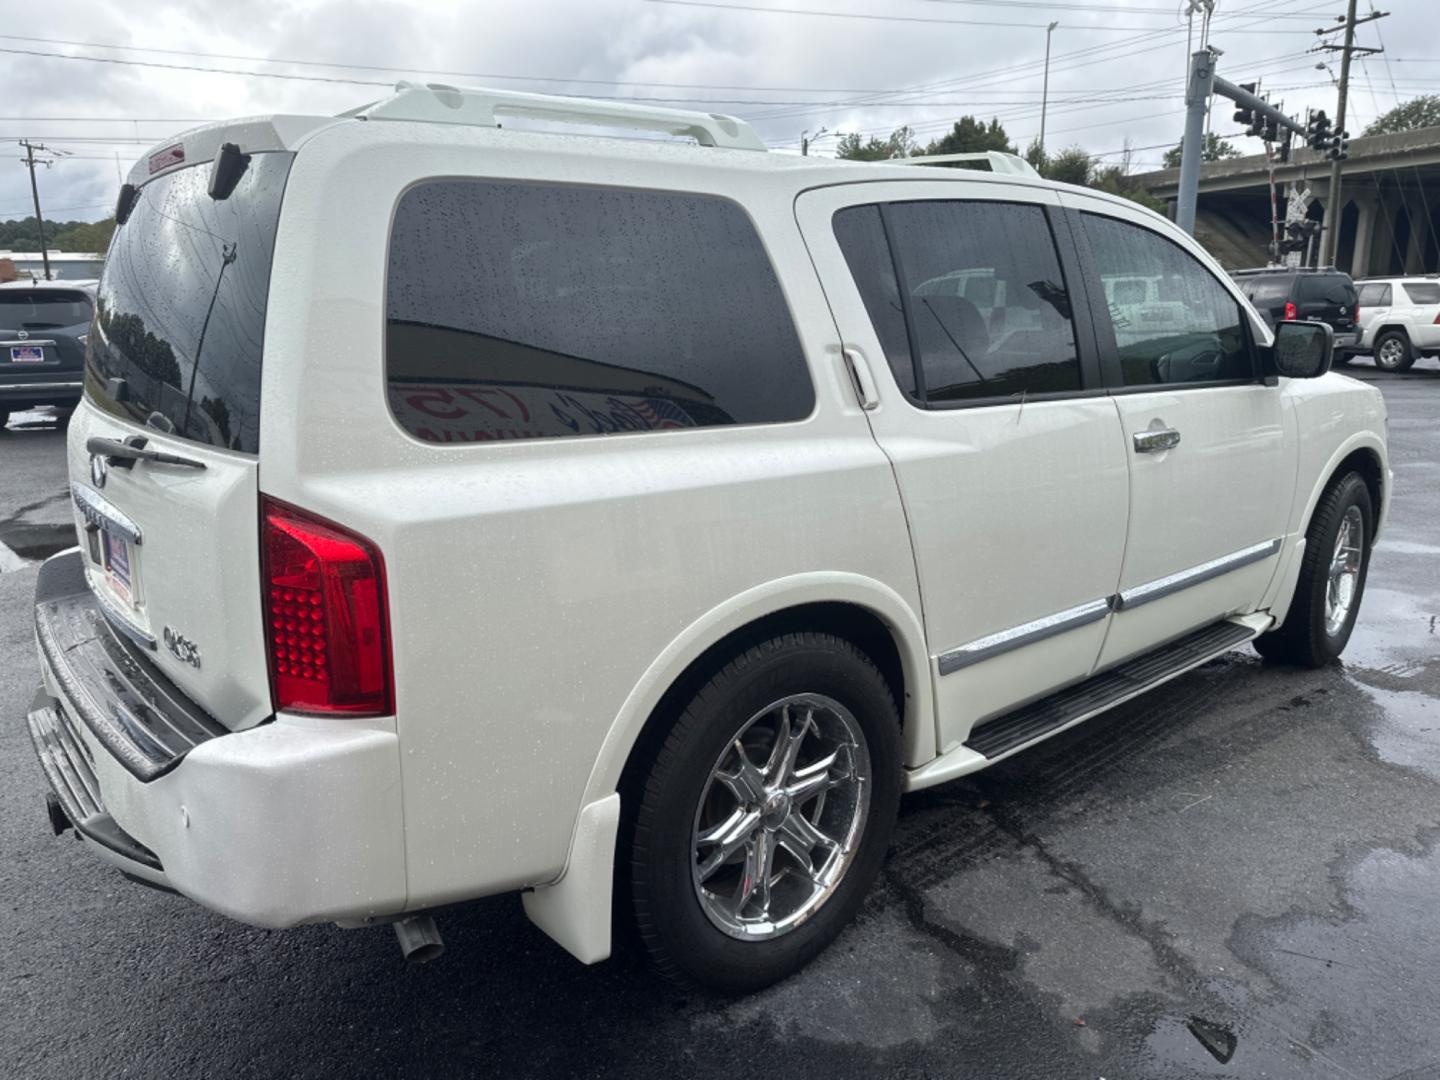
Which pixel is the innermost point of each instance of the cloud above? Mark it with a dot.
(797, 72)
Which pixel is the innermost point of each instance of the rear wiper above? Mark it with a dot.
(123, 455)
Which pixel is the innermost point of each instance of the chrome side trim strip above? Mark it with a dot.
(42, 386)
(1025, 634)
(100, 512)
(1173, 583)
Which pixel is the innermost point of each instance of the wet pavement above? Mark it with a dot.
(1234, 876)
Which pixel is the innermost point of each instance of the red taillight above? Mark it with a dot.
(1291, 311)
(1355, 315)
(1437, 320)
(328, 630)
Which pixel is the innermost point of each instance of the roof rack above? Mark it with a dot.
(999, 162)
(436, 103)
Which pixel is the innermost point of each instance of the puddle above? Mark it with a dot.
(23, 545)
(1409, 733)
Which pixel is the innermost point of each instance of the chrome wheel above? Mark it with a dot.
(1344, 578)
(1391, 353)
(781, 817)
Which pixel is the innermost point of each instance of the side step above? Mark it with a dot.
(1034, 721)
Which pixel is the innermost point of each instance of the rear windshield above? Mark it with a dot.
(1328, 289)
(43, 309)
(181, 312)
(1265, 291)
(1422, 292)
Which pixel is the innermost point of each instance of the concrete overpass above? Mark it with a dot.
(1390, 188)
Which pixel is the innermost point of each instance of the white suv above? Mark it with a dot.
(1399, 320)
(466, 510)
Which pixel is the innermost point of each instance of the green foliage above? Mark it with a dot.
(1419, 112)
(1116, 180)
(1037, 157)
(900, 143)
(82, 236)
(971, 136)
(93, 236)
(1073, 165)
(1216, 149)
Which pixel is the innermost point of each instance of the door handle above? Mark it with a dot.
(860, 379)
(1153, 442)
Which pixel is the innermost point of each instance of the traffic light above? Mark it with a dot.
(1298, 234)
(1317, 131)
(1242, 114)
(1339, 146)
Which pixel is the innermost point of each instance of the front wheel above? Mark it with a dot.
(1332, 579)
(1393, 351)
(765, 817)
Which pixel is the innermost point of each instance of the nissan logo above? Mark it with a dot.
(24, 335)
(97, 470)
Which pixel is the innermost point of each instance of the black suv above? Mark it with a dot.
(43, 326)
(1286, 293)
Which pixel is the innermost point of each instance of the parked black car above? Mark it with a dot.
(43, 325)
(1285, 293)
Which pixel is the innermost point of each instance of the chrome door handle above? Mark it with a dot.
(1152, 442)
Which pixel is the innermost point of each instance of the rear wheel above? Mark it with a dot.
(1332, 579)
(765, 817)
(4, 418)
(1393, 351)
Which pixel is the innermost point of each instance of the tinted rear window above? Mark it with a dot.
(522, 311)
(43, 309)
(181, 311)
(1262, 292)
(1422, 292)
(1327, 289)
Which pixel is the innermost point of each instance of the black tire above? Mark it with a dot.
(681, 939)
(1303, 638)
(4, 418)
(1343, 358)
(1401, 356)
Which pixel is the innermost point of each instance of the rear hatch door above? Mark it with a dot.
(171, 548)
(1328, 298)
(40, 332)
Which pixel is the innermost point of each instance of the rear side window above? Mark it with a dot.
(1374, 295)
(1422, 292)
(43, 309)
(1174, 322)
(1327, 289)
(524, 311)
(984, 301)
(861, 236)
(180, 319)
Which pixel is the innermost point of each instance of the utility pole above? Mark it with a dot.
(1045, 90)
(1330, 234)
(30, 162)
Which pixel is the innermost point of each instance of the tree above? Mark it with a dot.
(900, 143)
(1420, 112)
(971, 136)
(1072, 165)
(93, 237)
(1216, 149)
(1036, 156)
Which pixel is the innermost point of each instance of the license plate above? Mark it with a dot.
(117, 564)
(27, 354)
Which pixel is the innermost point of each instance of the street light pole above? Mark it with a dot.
(1045, 92)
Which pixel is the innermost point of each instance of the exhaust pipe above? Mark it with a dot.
(419, 939)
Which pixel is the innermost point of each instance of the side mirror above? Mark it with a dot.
(1302, 350)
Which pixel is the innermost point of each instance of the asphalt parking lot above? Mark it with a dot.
(1242, 865)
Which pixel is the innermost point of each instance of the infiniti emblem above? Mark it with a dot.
(97, 470)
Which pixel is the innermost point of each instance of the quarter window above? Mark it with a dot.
(1422, 292)
(1173, 321)
(521, 311)
(983, 299)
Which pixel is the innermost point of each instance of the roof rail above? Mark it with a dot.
(436, 103)
(999, 162)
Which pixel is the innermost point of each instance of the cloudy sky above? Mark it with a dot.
(1116, 68)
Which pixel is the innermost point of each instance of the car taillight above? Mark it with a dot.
(1355, 315)
(1291, 311)
(1437, 320)
(328, 632)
